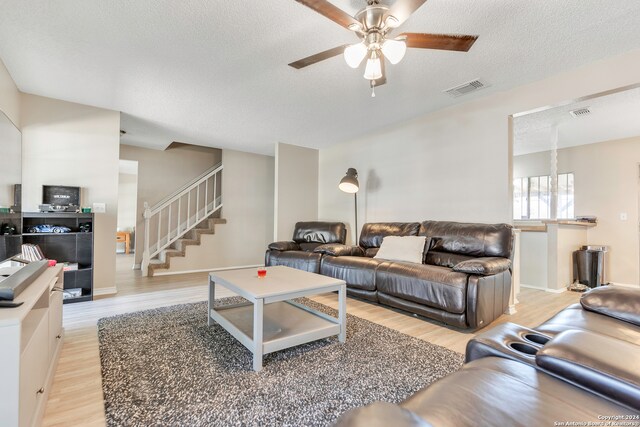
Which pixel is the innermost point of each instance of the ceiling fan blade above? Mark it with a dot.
(310, 60)
(456, 42)
(326, 9)
(402, 9)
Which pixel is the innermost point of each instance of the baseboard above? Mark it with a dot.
(105, 291)
(537, 288)
(624, 285)
(204, 270)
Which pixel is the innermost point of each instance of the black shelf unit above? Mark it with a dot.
(76, 247)
(10, 243)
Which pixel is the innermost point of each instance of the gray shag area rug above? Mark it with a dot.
(166, 367)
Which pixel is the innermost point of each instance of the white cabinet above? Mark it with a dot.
(30, 343)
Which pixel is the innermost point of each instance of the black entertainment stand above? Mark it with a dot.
(73, 247)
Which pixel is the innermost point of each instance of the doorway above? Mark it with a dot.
(127, 214)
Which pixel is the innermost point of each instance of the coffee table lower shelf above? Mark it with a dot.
(285, 324)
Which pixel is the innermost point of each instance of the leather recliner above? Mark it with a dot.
(584, 372)
(299, 251)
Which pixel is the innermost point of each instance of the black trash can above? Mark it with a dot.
(588, 265)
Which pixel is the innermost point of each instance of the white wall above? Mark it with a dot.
(606, 185)
(127, 201)
(247, 197)
(453, 164)
(296, 188)
(160, 173)
(9, 96)
(71, 144)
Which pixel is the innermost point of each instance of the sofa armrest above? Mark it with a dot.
(380, 414)
(284, 246)
(596, 362)
(614, 301)
(336, 249)
(484, 266)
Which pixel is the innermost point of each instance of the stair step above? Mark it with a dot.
(178, 248)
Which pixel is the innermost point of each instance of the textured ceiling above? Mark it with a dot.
(215, 72)
(614, 116)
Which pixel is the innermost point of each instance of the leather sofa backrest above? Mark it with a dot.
(319, 232)
(468, 239)
(373, 232)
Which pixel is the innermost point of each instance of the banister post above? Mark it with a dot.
(145, 252)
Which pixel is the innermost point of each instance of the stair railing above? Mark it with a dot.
(180, 212)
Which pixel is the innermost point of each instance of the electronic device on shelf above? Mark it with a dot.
(48, 208)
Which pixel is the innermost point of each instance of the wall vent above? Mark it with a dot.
(466, 88)
(580, 112)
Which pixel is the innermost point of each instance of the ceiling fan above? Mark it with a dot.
(373, 25)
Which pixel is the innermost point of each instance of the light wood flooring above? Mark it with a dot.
(76, 396)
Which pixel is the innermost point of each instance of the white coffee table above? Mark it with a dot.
(270, 321)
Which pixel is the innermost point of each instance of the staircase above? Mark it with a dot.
(181, 219)
(179, 247)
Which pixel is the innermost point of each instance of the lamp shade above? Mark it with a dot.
(373, 70)
(354, 54)
(349, 184)
(394, 50)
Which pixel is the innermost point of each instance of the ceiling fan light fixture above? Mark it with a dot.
(391, 22)
(373, 70)
(394, 50)
(354, 54)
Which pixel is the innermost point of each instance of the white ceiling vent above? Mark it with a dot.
(466, 88)
(580, 112)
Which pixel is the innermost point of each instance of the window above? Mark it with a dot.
(532, 197)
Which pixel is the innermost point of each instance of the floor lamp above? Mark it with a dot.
(349, 184)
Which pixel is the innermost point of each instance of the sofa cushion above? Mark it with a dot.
(300, 260)
(337, 249)
(444, 259)
(284, 246)
(402, 248)
(478, 240)
(358, 272)
(431, 285)
(319, 232)
(575, 317)
(371, 252)
(614, 301)
(483, 266)
(373, 232)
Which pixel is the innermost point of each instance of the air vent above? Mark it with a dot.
(466, 88)
(580, 112)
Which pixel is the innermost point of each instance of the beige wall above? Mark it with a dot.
(296, 188)
(71, 144)
(452, 164)
(248, 198)
(127, 201)
(606, 185)
(160, 173)
(9, 96)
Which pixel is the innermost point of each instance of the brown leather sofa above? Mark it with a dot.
(299, 251)
(464, 280)
(580, 366)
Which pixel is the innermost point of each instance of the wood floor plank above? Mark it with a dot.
(76, 397)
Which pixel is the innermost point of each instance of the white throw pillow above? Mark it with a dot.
(402, 248)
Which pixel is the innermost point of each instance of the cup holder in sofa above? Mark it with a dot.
(525, 348)
(536, 338)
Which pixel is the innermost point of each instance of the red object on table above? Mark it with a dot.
(262, 272)
(52, 262)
